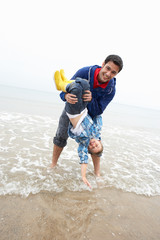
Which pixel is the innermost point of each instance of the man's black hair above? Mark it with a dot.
(116, 60)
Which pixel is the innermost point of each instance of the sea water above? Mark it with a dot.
(130, 136)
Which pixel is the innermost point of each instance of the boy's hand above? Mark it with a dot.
(71, 98)
(87, 97)
(86, 182)
(83, 173)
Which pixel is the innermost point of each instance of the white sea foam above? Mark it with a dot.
(131, 159)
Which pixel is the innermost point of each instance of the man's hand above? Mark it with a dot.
(87, 97)
(71, 98)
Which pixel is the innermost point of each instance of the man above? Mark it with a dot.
(102, 90)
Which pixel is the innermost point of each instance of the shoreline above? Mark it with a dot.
(102, 214)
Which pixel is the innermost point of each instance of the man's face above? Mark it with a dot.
(107, 72)
(95, 146)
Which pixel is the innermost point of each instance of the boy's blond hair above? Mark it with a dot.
(99, 153)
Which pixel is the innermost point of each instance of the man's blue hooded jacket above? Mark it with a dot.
(101, 97)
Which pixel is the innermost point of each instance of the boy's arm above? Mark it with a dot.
(83, 155)
(97, 130)
(96, 163)
(97, 126)
(83, 173)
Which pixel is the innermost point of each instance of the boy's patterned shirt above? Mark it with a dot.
(92, 128)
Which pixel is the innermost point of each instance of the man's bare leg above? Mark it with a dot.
(96, 163)
(56, 153)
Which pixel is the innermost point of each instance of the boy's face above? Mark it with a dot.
(95, 146)
(107, 72)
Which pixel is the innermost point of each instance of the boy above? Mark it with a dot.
(82, 128)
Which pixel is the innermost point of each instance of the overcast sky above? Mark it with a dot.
(39, 37)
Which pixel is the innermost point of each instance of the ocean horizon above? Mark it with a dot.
(49, 96)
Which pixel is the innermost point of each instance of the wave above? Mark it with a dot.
(130, 161)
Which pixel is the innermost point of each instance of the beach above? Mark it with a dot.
(40, 203)
(102, 214)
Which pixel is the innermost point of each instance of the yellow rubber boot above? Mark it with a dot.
(64, 77)
(60, 85)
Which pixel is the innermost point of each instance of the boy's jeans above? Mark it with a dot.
(78, 88)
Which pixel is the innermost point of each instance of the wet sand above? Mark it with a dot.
(103, 214)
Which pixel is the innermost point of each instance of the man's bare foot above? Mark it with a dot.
(97, 174)
(53, 165)
(55, 156)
